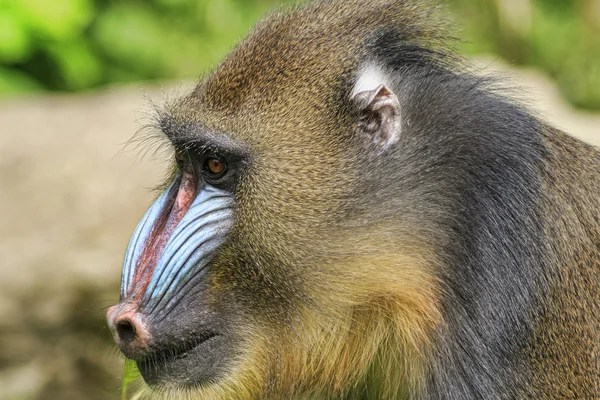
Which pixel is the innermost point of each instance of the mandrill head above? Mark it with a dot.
(288, 257)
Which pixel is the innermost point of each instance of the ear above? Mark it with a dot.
(379, 116)
(378, 108)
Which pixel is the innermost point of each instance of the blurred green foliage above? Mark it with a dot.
(72, 45)
(562, 37)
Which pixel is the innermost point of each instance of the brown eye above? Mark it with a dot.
(215, 167)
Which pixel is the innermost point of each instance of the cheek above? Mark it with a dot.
(174, 242)
(153, 234)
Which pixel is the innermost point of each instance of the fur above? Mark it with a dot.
(461, 263)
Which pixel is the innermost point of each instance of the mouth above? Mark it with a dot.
(188, 364)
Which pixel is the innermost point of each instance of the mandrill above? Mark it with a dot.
(354, 215)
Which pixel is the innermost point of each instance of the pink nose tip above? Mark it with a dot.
(129, 330)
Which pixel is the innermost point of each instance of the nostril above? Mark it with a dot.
(129, 329)
(126, 331)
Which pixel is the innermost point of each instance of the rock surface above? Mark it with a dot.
(71, 194)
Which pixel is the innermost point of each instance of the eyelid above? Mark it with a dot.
(200, 155)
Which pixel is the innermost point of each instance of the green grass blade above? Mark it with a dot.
(130, 374)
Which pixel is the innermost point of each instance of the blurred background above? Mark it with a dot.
(73, 45)
(77, 79)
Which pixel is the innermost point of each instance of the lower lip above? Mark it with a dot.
(158, 363)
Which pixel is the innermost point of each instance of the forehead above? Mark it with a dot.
(288, 70)
(286, 56)
(251, 130)
(254, 100)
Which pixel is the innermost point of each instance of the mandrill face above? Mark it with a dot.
(216, 269)
(281, 256)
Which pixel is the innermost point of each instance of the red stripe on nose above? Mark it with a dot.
(177, 205)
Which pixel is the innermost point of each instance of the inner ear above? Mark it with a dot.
(379, 116)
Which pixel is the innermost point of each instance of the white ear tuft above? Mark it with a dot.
(370, 77)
